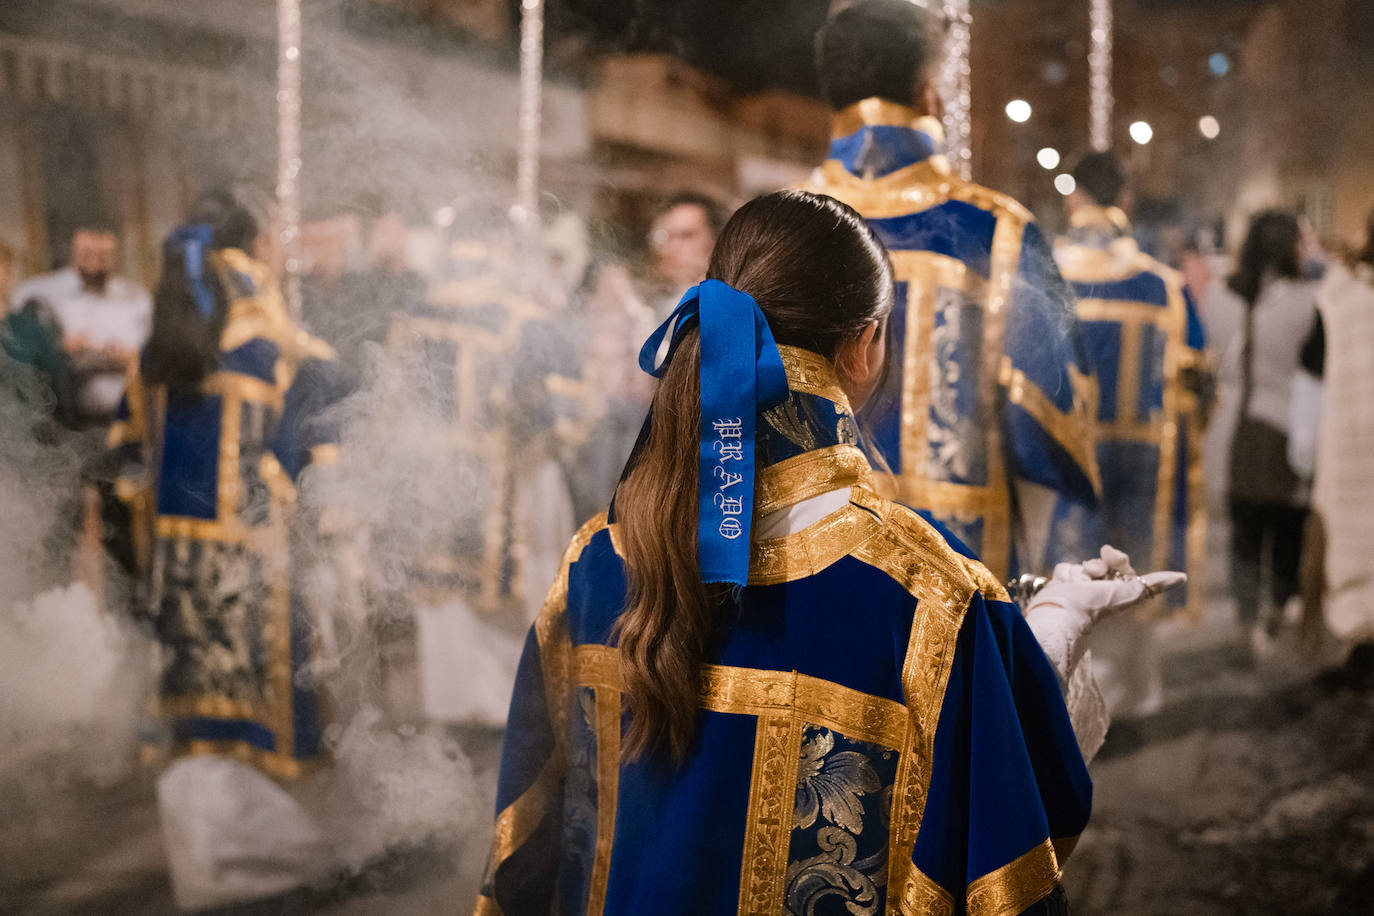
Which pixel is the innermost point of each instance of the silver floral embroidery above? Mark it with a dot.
(949, 432)
(832, 785)
(788, 420)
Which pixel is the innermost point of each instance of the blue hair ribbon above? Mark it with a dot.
(193, 242)
(741, 375)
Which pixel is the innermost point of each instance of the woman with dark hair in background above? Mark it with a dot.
(1261, 317)
(221, 416)
(1344, 486)
(776, 691)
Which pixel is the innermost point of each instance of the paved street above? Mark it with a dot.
(1250, 791)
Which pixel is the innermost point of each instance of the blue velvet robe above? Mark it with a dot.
(209, 481)
(879, 730)
(989, 382)
(1144, 336)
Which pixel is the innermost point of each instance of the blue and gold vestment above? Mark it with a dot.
(988, 383)
(879, 730)
(1145, 338)
(209, 479)
(498, 376)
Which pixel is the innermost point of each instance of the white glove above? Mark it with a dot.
(1080, 594)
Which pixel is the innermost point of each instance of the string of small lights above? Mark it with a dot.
(289, 146)
(956, 85)
(525, 212)
(1100, 101)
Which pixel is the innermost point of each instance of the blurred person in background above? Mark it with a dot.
(37, 369)
(986, 419)
(1344, 485)
(331, 249)
(221, 417)
(1260, 319)
(365, 299)
(614, 322)
(1145, 340)
(680, 239)
(105, 318)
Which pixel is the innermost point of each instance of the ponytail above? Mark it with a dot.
(189, 312)
(670, 616)
(190, 306)
(820, 276)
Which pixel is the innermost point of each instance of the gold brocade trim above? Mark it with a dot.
(811, 373)
(921, 896)
(244, 388)
(1195, 536)
(485, 906)
(551, 630)
(877, 112)
(230, 433)
(763, 692)
(1146, 433)
(914, 554)
(908, 190)
(814, 548)
(808, 474)
(1003, 267)
(991, 587)
(275, 764)
(768, 824)
(1014, 887)
(121, 433)
(1139, 313)
(326, 454)
(918, 360)
(519, 819)
(1072, 431)
(930, 268)
(200, 529)
(277, 480)
(941, 497)
(607, 793)
(566, 387)
(212, 706)
(1175, 342)
(1114, 217)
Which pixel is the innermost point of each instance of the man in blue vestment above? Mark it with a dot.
(985, 419)
(1145, 339)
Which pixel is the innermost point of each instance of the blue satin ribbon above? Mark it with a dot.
(193, 242)
(741, 375)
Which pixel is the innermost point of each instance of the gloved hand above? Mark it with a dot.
(1080, 594)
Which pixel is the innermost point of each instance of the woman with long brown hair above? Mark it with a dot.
(757, 686)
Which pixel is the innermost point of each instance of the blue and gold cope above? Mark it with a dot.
(209, 480)
(879, 731)
(1145, 338)
(989, 382)
(498, 376)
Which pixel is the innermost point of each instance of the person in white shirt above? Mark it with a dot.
(105, 318)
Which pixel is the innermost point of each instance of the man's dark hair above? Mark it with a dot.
(714, 212)
(96, 225)
(1100, 176)
(883, 48)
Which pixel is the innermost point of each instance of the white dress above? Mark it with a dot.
(1344, 487)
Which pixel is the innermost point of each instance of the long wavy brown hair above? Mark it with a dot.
(820, 276)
